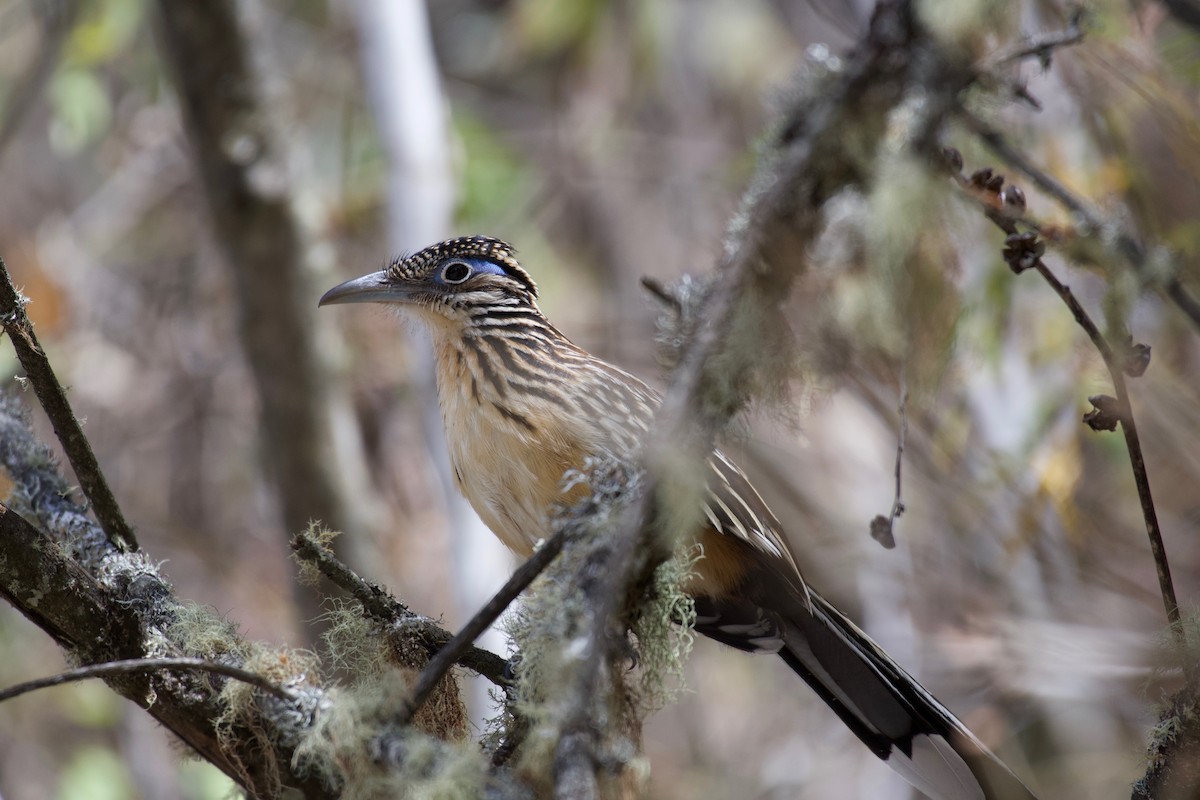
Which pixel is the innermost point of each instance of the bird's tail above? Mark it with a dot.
(894, 715)
(888, 710)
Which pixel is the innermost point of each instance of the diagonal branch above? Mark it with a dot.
(66, 426)
(1042, 45)
(376, 601)
(445, 658)
(1126, 246)
(1024, 251)
(813, 162)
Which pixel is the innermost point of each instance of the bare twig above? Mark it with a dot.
(66, 427)
(449, 655)
(883, 528)
(1126, 246)
(1042, 45)
(1023, 251)
(132, 666)
(378, 603)
(662, 293)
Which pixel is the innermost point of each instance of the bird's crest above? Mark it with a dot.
(495, 250)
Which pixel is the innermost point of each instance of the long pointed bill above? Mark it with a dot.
(373, 288)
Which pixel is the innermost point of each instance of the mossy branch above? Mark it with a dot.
(380, 604)
(825, 144)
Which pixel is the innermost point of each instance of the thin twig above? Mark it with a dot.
(662, 293)
(991, 201)
(1042, 45)
(377, 602)
(133, 666)
(1128, 248)
(66, 427)
(449, 655)
(883, 529)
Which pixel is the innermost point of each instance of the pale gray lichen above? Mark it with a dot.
(353, 743)
(551, 630)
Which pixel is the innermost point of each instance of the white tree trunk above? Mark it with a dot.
(402, 82)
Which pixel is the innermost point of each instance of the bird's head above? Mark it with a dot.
(447, 283)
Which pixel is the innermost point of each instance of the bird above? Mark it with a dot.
(522, 406)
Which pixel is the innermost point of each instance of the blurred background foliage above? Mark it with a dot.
(611, 140)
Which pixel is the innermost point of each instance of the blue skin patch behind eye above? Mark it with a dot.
(477, 265)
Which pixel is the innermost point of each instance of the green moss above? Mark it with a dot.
(199, 631)
(551, 627)
(353, 743)
(663, 627)
(308, 573)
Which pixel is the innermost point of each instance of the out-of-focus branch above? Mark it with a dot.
(134, 666)
(883, 528)
(1126, 247)
(1186, 11)
(247, 188)
(376, 601)
(66, 426)
(1042, 45)
(814, 161)
(58, 19)
(1004, 207)
(403, 83)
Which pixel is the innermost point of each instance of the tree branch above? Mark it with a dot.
(883, 528)
(376, 601)
(66, 426)
(1004, 206)
(446, 657)
(1042, 45)
(814, 161)
(1126, 246)
(134, 666)
(58, 19)
(247, 188)
(102, 622)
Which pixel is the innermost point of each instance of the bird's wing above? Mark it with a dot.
(733, 507)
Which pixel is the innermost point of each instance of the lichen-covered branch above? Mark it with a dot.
(1173, 767)
(826, 143)
(127, 617)
(376, 601)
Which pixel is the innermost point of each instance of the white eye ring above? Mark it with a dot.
(456, 272)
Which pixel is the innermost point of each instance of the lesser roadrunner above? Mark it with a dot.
(522, 406)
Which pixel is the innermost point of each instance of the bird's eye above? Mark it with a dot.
(456, 272)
